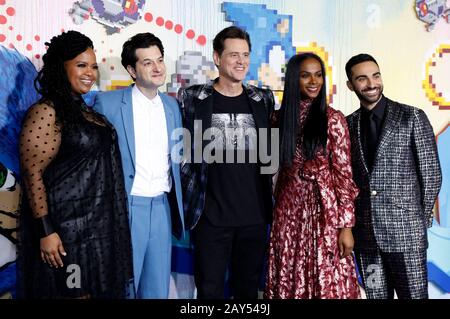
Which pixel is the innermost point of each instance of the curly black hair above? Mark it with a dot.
(52, 82)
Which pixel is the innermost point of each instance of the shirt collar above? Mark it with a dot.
(378, 110)
(208, 89)
(139, 95)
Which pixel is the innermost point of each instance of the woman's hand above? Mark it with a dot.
(345, 242)
(51, 247)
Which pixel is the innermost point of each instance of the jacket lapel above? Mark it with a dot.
(391, 121)
(127, 118)
(357, 129)
(170, 121)
(203, 112)
(259, 111)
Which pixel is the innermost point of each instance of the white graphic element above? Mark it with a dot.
(374, 18)
(374, 279)
(74, 279)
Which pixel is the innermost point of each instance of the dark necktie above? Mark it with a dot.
(372, 139)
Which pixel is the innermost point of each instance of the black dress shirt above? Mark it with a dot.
(371, 125)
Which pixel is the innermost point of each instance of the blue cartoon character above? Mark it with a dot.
(271, 36)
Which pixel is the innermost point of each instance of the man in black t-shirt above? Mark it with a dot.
(227, 200)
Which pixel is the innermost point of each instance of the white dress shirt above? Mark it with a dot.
(152, 148)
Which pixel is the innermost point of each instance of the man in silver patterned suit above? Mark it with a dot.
(396, 166)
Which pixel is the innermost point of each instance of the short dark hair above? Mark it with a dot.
(138, 41)
(357, 59)
(232, 32)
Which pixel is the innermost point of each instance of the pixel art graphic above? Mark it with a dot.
(320, 51)
(179, 29)
(430, 11)
(439, 234)
(272, 46)
(440, 60)
(113, 14)
(191, 68)
(271, 37)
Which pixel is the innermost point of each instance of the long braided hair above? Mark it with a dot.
(52, 82)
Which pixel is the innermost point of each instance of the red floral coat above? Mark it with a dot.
(314, 199)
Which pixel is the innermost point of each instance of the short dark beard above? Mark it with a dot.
(362, 98)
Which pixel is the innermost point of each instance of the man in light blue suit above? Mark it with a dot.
(145, 121)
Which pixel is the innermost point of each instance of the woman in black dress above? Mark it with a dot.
(75, 239)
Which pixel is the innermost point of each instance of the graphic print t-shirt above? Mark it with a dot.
(234, 192)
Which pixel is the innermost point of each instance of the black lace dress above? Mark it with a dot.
(75, 176)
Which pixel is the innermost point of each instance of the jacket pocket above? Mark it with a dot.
(406, 203)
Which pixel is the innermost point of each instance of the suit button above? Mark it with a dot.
(131, 176)
(373, 193)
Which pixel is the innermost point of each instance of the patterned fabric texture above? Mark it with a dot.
(313, 200)
(382, 273)
(396, 200)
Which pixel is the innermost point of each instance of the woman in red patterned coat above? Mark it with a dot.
(311, 241)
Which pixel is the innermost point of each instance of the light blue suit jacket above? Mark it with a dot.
(117, 107)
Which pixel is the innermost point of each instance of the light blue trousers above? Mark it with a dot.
(151, 238)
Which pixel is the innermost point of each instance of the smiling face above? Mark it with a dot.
(82, 71)
(311, 78)
(366, 82)
(150, 70)
(234, 61)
